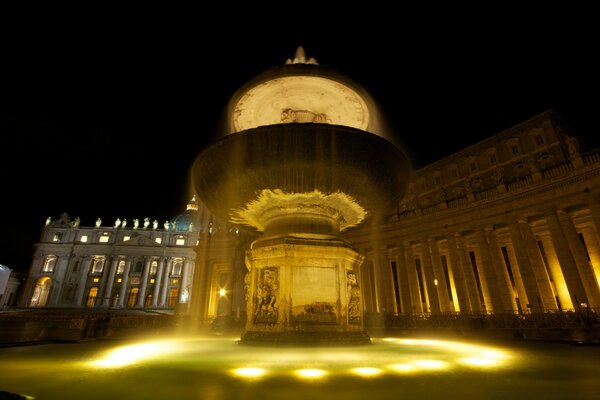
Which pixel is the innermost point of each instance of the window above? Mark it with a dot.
(120, 267)
(49, 263)
(96, 280)
(539, 139)
(437, 178)
(91, 299)
(126, 238)
(454, 172)
(176, 270)
(493, 158)
(153, 268)
(137, 268)
(57, 237)
(513, 146)
(97, 265)
(84, 238)
(538, 136)
(173, 295)
(158, 240)
(180, 241)
(152, 280)
(104, 238)
(472, 163)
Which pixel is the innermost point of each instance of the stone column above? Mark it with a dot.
(123, 288)
(83, 277)
(413, 281)
(460, 283)
(432, 293)
(388, 278)
(198, 303)
(162, 302)
(378, 284)
(158, 281)
(439, 274)
(469, 275)
(403, 284)
(144, 283)
(586, 272)
(566, 260)
(488, 270)
(187, 267)
(109, 282)
(369, 301)
(525, 269)
(546, 294)
(58, 280)
(504, 286)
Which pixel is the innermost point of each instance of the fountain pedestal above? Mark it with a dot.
(303, 290)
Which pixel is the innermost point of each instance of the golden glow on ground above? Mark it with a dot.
(402, 368)
(386, 356)
(366, 371)
(249, 373)
(127, 355)
(271, 203)
(310, 373)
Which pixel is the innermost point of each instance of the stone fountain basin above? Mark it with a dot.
(301, 158)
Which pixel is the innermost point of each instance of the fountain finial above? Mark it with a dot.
(300, 58)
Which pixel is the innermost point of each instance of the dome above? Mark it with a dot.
(185, 223)
(189, 221)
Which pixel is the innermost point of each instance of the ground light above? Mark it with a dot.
(219, 368)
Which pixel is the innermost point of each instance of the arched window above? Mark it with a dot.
(97, 265)
(153, 267)
(176, 271)
(91, 299)
(133, 296)
(49, 263)
(120, 267)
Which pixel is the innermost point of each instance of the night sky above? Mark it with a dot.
(104, 118)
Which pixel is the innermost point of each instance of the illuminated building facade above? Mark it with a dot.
(140, 265)
(507, 225)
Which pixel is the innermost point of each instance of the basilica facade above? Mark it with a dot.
(507, 225)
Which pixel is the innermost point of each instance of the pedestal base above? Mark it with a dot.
(303, 290)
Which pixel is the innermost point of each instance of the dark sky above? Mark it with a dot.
(104, 118)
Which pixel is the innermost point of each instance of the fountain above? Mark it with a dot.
(301, 182)
(303, 161)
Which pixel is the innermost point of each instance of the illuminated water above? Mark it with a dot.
(219, 368)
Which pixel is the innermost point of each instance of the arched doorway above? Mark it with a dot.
(39, 298)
